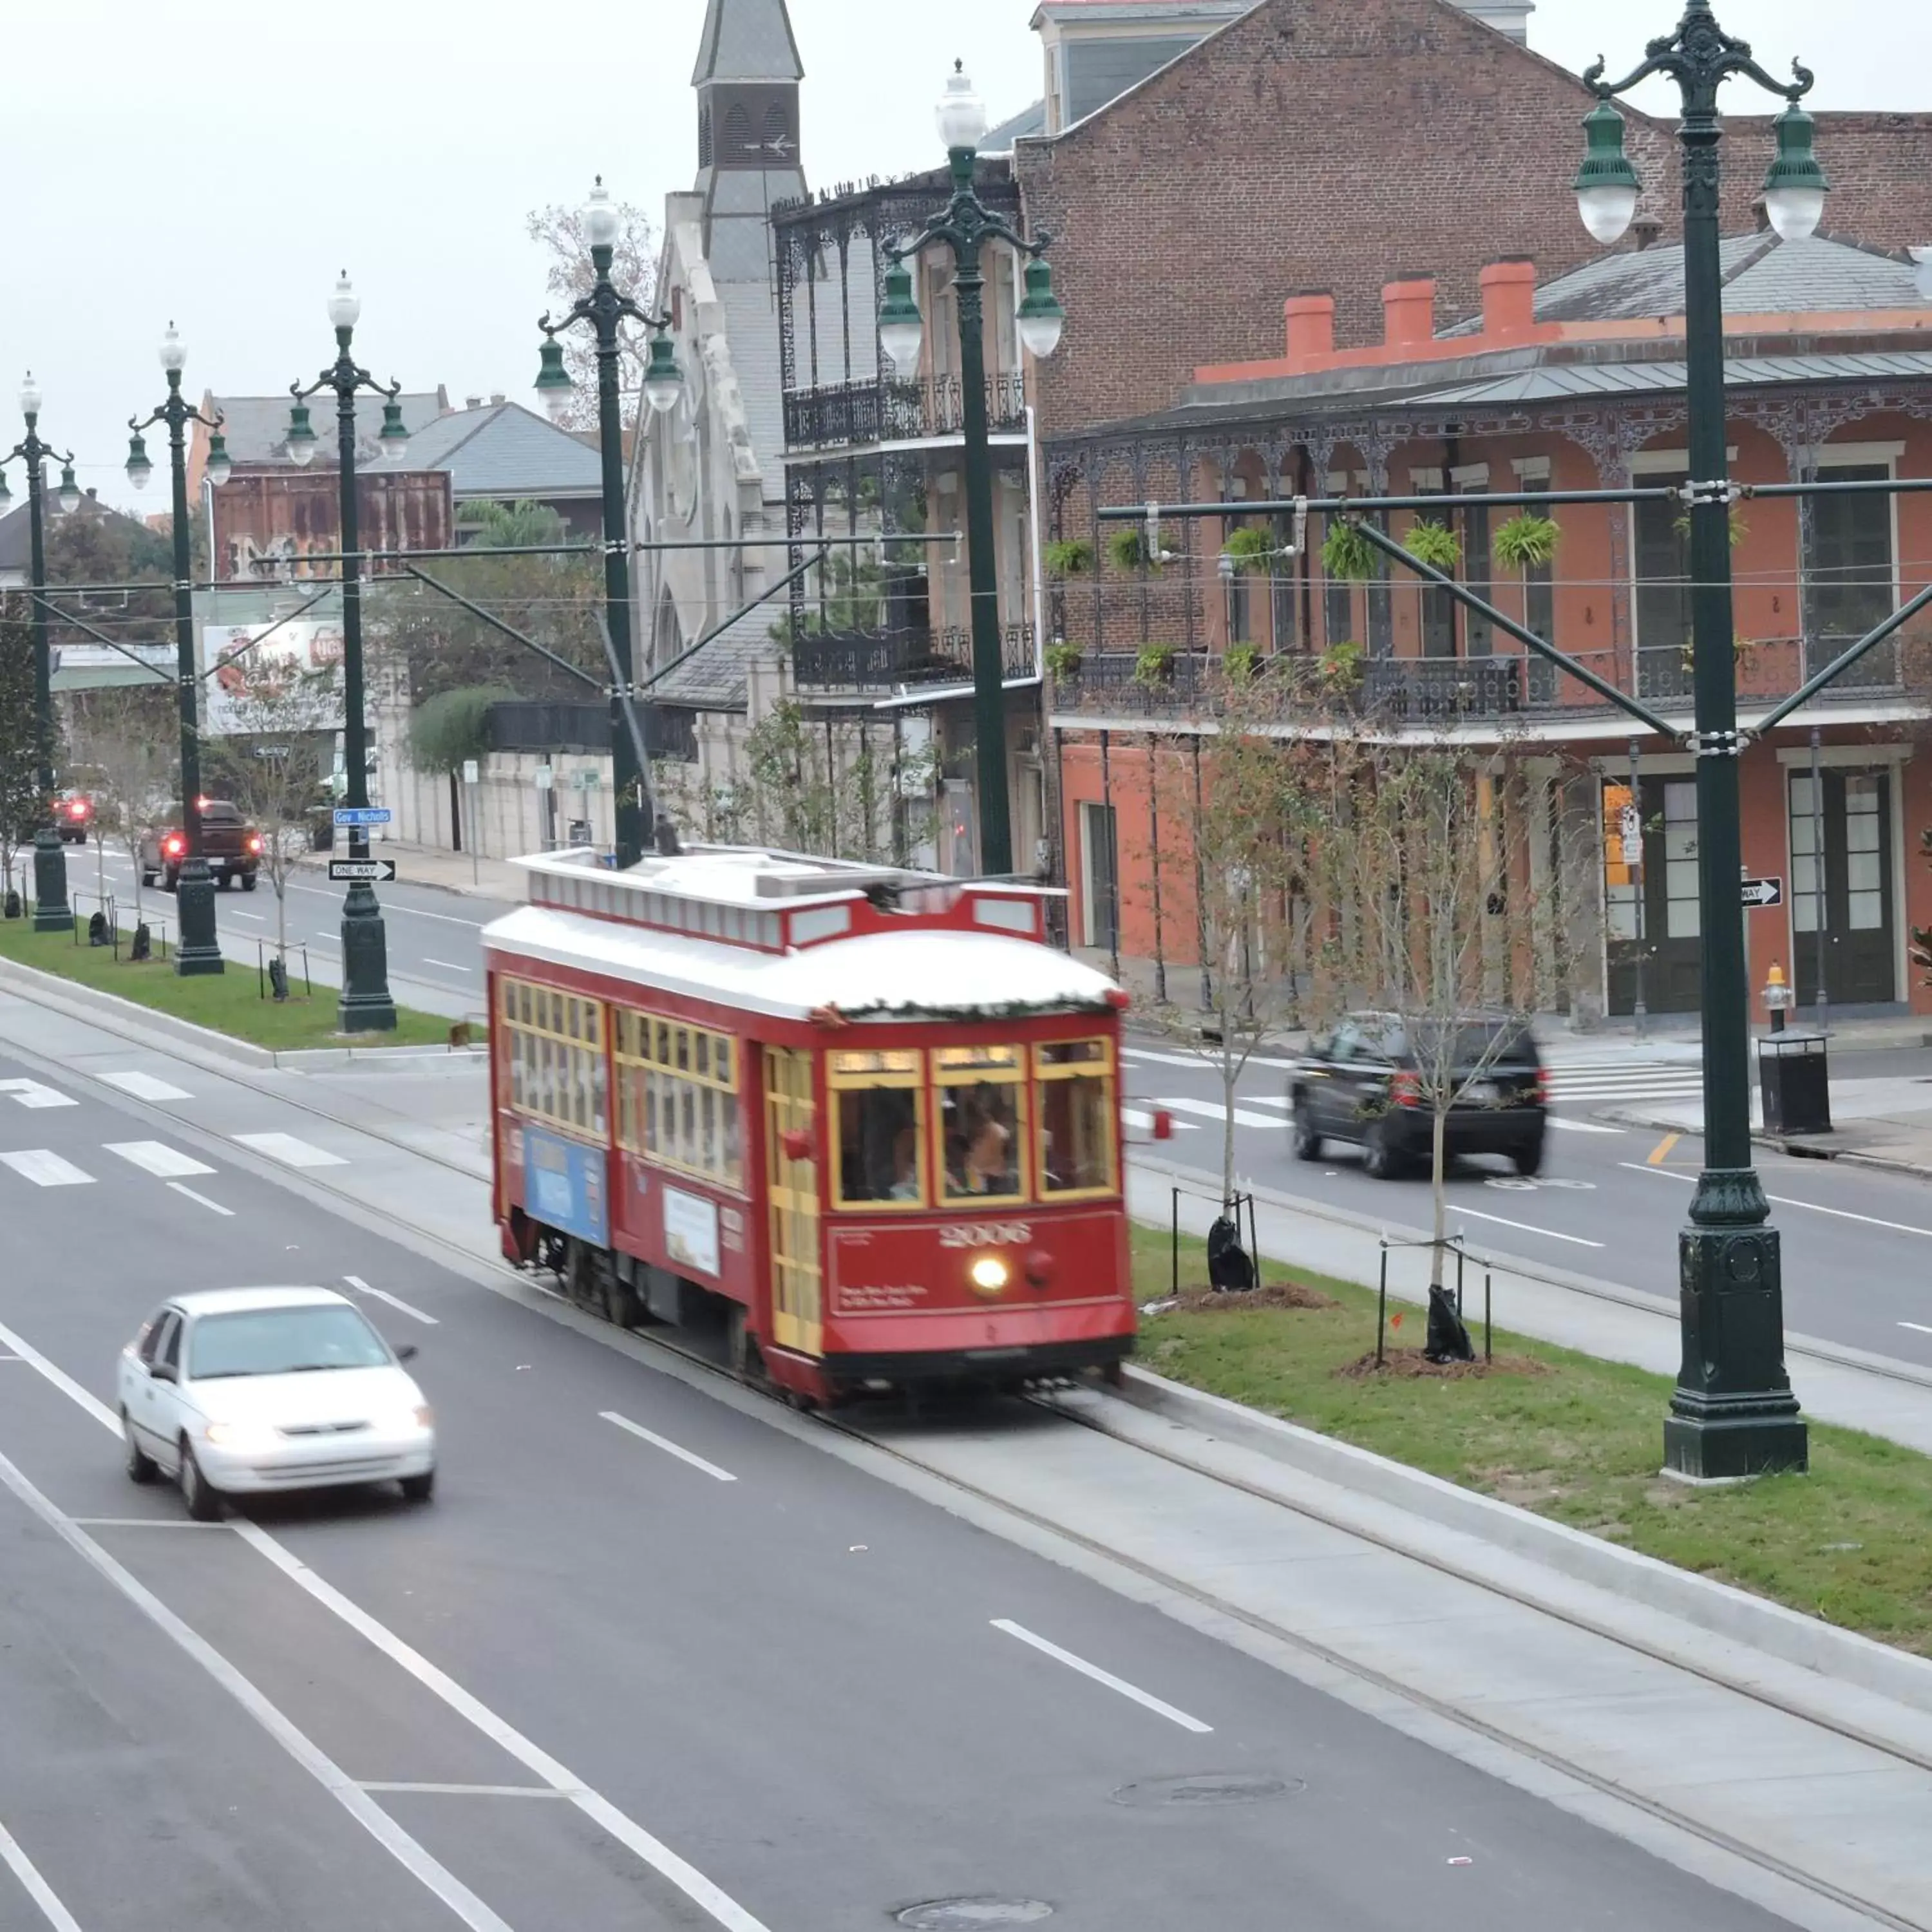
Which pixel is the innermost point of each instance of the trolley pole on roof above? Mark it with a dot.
(968, 228)
(366, 1006)
(605, 309)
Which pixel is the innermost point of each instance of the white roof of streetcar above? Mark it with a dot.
(921, 973)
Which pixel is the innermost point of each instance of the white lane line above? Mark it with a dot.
(144, 1086)
(448, 965)
(157, 1157)
(467, 1790)
(669, 1448)
(144, 1522)
(1502, 1221)
(202, 1200)
(45, 1169)
(361, 1287)
(710, 1899)
(1917, 1327)
(36, 1888)
(1782, 1200)
(391, 906)
(286, 1149)
(1557, 1121)
(371, 1815)
(33, 1094)
(259, 918)
(1212, 1110)
(1199, 1061)
(1141, 1697)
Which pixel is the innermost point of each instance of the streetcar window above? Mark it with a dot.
(981, 1121)
(879, 1107)
(678, 1104)
(1074, 1097)
(554, 1045)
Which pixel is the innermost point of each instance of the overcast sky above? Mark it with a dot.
(204, 161)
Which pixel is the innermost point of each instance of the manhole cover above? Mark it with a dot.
(1231, 1787)
(967, 1914)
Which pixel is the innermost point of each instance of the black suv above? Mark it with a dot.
(1365, 1086)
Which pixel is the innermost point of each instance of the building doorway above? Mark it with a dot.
(1652, 908)
(1849, 818)
(1101, 871)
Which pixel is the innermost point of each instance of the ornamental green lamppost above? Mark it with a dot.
(51, 912)
(605, 309)
(966, 227)
(1733, 1414)
(199, 952)
(366, 1006)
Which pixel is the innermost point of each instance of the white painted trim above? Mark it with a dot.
(1530, 469)
(1842, 755)
(1654, 462)
(1656, 764)
(1470, 476)
(1335, 483)
(1844, 455)
(1901, 923)
(1422, 482)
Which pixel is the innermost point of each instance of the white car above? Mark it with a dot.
(237, 1391)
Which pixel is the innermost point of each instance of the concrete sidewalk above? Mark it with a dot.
(1883, 1123)
(473, 876)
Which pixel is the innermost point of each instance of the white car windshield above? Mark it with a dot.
(283, 1342)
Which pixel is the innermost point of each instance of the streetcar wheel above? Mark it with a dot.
(747, 1364)
(1114, 1375)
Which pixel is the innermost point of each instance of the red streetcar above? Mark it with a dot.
(870, 1114)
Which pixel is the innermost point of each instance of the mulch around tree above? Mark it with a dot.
(1412, 1364)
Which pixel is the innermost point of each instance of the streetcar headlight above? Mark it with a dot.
(989, 1274)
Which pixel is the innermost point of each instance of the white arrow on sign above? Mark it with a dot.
(1762, 892)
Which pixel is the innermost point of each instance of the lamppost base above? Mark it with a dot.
(51, 914)
(198, 954)
(1733, 1414)
(366, 1006)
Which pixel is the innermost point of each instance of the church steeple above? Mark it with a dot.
(747, 80)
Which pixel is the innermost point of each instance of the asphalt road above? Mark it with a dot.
(433, 934)
(1610, 1200)
(702, 1674)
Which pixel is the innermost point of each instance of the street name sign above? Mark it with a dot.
(1761, 894)
(376, 871)
(363, 814)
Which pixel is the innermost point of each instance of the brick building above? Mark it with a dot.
(1577, 383)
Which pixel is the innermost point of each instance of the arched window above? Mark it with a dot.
(704, 137)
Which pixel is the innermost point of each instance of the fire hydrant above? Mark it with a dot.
(1778, 998)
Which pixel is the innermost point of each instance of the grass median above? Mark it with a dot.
(229, 1003)
(1562, 1434)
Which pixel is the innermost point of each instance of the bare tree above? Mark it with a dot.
(126, 736)
(22, 803)
(272, 764)
(559, 230)
(1433, 931)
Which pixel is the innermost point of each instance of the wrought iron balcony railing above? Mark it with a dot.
(881, 661)
(846, 415)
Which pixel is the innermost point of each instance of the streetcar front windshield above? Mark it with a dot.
(1074, 1084)
(982, 1123)
(879, 1102)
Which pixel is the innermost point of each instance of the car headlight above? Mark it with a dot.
(248, 1437)
(406, 1421)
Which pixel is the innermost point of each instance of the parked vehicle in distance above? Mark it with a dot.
(1364, 1086)
(73, 817)
(241, 1391)
(230, 844)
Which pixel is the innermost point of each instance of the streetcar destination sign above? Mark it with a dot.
(376, 871)
(1760, 895)
(363, 814)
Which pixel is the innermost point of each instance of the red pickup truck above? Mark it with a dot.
(230, 844)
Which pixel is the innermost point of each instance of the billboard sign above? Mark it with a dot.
(291, 680)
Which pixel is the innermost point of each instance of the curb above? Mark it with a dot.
(421, 885)
(1719, 1609)
(1664, 1308)
(1800, 1146)
(220, 1052)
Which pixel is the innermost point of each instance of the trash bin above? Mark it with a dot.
(1793, 1075)
(579, 831)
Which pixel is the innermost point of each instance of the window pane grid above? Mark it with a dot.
(556, 1057)
(679, 1106)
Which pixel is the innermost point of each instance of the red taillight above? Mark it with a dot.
(1406, 1089)
(175, 847)
(76, 807)
(1542, 1086)
(254, 841)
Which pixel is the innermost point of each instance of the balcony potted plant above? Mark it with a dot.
(1063, 661)
(1347, 555)
(1434, 543)
(1070, 557)
(1154, 665)
(1239, 662)
(1127, 549)
(1341, 665)
(1250, 549)
(1526, 542)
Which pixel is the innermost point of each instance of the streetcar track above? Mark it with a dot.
(502, 1278)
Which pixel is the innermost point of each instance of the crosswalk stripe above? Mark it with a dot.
(144, 1086)
(288, 1150)
(157, 1157)
(1212, 1110)
(32, 1094)
(45, 1168)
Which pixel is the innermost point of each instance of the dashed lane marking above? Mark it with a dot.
(670, 1447)
(361, 1287)
(187, 1192)
(1145, 1698)
(36, 1888)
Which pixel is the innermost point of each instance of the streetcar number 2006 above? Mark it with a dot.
(989, 1234)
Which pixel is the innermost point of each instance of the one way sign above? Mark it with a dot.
(376, 871)
(1762, 894)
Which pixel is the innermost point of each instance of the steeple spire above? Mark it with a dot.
(748, 41)
(748, 93)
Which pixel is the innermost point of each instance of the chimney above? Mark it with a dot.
(472, 402)
(496, 400)
(1509, 298)
(1310, 318)
(1647, 229)
(1409, 311)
